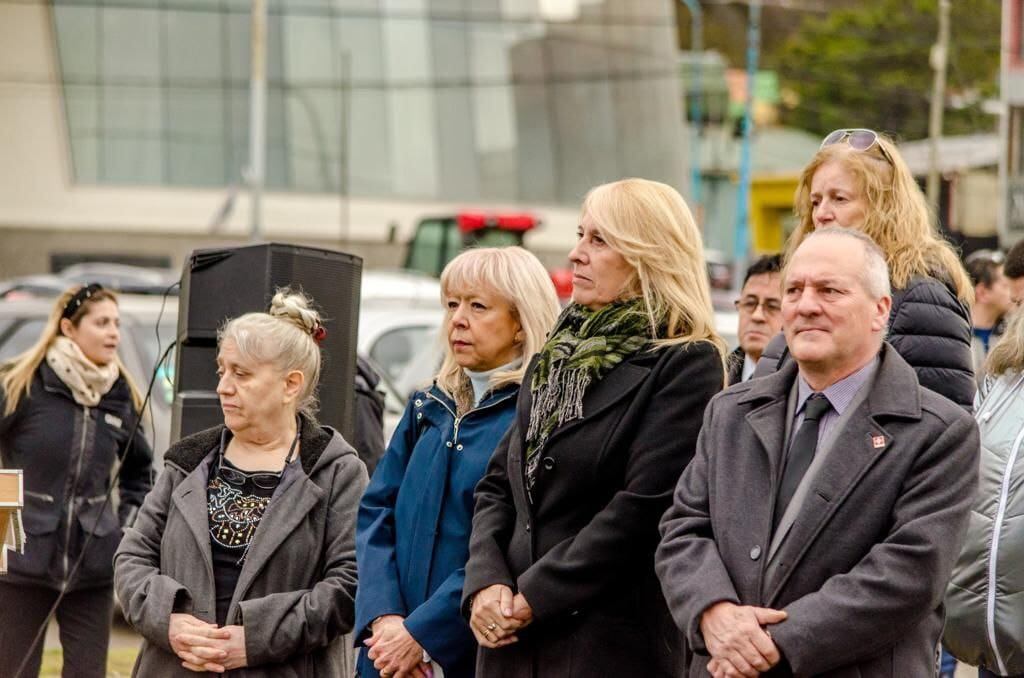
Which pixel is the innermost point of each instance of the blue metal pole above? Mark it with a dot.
(696, 112)
(740, 245)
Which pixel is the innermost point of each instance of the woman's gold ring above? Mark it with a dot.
(492, 626)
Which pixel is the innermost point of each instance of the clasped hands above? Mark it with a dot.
(737, 640)
(205, 647)
(497, 614)
(393, 650)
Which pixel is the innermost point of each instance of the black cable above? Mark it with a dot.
(70, 576)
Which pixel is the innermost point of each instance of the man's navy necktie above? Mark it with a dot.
(801, 453)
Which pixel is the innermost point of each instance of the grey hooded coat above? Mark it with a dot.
(296, 592)
(985, 599)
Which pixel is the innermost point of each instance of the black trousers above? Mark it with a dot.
(83, 618)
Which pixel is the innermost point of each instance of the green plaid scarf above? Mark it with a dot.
(584, 346)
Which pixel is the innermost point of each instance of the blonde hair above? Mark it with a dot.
(16, 374)
(519, 278)
(1008, 353)
(283, 338)
(649, 224)
(896, 217)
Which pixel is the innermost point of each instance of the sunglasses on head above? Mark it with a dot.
(858, 139)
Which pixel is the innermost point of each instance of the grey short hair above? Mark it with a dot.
(875, 276)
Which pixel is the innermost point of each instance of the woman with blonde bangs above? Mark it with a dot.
(560, 580)
(858, 180)
(67, 410)
(415, 518)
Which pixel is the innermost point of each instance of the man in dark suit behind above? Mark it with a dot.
(815, 530)
(760, 316)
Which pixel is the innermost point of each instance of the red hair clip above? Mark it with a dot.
(319, 334)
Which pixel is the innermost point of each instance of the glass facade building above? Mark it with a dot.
(454, 100)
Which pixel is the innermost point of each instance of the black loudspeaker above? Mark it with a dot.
(220, 284)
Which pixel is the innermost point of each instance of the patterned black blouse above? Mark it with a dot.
(236, 500)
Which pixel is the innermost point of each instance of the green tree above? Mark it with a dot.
(868, 66)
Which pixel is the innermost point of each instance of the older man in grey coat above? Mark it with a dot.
(815, 530)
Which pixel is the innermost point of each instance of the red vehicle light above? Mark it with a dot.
(474, 221)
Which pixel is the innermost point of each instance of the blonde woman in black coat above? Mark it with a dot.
(560, 580)
(67, 409)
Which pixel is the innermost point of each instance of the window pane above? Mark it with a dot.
(494, 112)
(359, 41)
(450, 51)
(76, 29)
(309, 56)
(407, 52)
(314, 125)
(369, 151)
(196, 137)
(131, 45)
(456, 144)
(537, 149)
(195, 46)
(413, 135)
(132, 148)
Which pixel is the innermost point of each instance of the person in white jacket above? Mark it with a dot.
(985, 598)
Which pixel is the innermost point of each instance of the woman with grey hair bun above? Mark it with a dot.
(243, 556)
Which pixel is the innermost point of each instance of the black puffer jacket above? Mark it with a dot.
(67, 452)
(930, 328)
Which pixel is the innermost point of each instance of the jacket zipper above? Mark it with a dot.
(71, 497)
(455, 442)
(997, 528)
(458, 419)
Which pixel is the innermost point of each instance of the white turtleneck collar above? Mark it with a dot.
(481, 381)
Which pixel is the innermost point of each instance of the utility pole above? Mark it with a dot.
(739, 258)
(343, 135)
(696, 112)
(257, 115)
(939, 59)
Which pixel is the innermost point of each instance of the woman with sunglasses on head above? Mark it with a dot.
(67, 411)
(560, 579)
(858, 180)
(243, 556)
(415, 518)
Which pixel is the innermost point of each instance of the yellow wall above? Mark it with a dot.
(771, 202)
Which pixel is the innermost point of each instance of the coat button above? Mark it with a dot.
(418, 403)
(527, 527)
(419, 415)
(459, 447)
(449, 443)
(548, 463)
(755, 553)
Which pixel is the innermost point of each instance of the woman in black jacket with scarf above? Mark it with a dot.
(560, 580)
(857, 179)
(67, 408)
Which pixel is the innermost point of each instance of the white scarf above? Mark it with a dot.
(88, 381)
